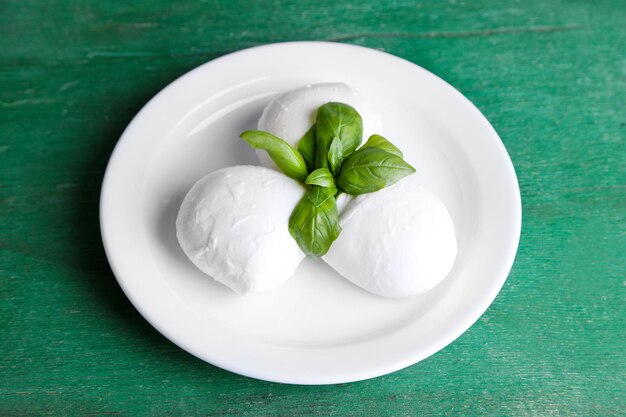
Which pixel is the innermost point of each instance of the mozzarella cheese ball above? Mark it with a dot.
(290, 115)
(396, 242)
(233, 225)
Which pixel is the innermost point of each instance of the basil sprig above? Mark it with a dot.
(327, 162)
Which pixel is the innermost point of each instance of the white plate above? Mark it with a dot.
(318, 328)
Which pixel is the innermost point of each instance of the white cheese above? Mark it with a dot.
(233, 225)
(396, 242)
(290, 115)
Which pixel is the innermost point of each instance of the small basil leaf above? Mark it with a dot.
(377, 141)
(284, 155)
(371, 169)
(335, 154)
(337, 120)
(314, 223)
(321, 177)
(306, 147)
(319, 195)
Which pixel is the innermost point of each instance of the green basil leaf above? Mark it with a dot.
(335, 154)
(283, 154)
(307, 146)
(319, 195)
(337, 120)
(321, 177)
(314, 223)
(371, 169)
(377, 141)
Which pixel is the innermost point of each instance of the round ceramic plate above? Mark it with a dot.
(318, 328)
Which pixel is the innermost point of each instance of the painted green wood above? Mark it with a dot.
(549, 75)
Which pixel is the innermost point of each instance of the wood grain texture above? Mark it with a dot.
(549, 75)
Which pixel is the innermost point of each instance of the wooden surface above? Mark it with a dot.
(549, 75)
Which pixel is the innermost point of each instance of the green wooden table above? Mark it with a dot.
(549, 75)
